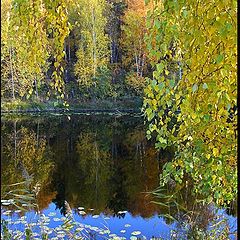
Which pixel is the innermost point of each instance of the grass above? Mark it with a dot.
(54, 105)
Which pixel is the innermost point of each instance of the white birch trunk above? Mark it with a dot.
(94, 43)
(136, 61)
(12, 78)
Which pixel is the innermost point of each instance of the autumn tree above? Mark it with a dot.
(133, 44)
(25, 47)
(92, 53)
(32, 32)
(195, 109)
(115, 10)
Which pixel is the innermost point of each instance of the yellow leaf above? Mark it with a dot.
(194, 115)
(215, 152)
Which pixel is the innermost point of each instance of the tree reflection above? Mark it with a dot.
(25, 157)
(194, 219)
(94, 163)
(101, 163)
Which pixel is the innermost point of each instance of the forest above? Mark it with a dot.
(73, 50)
(171, 63)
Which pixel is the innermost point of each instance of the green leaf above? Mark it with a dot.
(162, 140)
(157, 23)
(219, 58)
(160, 67)
(172, 83)
(185, 13)
(215, 152)
(153, 83)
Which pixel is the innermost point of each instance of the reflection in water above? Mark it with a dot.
(25, 156)
(101, 162)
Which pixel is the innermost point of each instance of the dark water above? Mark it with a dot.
(102, 163)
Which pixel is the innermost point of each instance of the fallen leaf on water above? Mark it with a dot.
(136, 233)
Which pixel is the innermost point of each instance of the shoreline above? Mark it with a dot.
(102, 106)
(71, 110)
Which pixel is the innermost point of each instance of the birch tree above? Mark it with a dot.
(92, 53)
(134, 47)
(197, 113)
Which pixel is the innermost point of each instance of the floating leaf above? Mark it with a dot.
(122, 212)
(52, 214)
(136, 233)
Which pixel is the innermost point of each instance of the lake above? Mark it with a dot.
(100, 169)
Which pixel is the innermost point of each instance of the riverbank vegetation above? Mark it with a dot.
(73, 50)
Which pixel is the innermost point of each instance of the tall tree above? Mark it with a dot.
(92, 51)
(32, 31)
(133, 44)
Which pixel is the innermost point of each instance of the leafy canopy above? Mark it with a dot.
(190, 102)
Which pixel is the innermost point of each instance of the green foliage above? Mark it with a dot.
(58, 28)
(102, 88)
(192, 46)
(32, 32)
(133, 44)
(135, 82)
(92, 50)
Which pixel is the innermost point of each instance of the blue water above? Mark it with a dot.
(154, 226)
(151, 227)
(102, 162)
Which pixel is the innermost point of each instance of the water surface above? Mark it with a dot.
(101, 165)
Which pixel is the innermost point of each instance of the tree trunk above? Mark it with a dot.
(111, 50)
(36, 87)
(142, 66)
(94, 43)
(136, 61)
(69, 50)
(12, 78)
